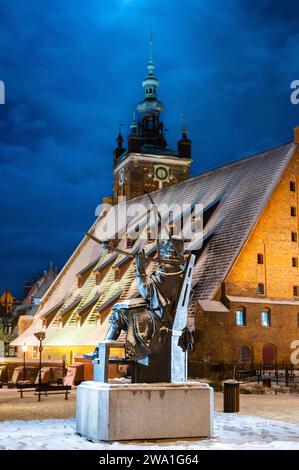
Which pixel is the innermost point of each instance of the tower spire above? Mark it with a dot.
(151, 65)
(119, 150)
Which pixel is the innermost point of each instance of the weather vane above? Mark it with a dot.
(152, 35)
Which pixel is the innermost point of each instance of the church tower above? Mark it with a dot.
(148, 164)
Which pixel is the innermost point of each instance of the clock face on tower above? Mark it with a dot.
(161, 173)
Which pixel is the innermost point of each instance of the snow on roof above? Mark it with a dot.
(261, 300)
(242, 189)
(212, 306)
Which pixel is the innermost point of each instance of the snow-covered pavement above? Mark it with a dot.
(231, 431)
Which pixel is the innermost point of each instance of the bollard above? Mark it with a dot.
(231, 396)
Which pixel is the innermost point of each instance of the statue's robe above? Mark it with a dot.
(147, 324)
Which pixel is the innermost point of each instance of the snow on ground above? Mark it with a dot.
(231, 431)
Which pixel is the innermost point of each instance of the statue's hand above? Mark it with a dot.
(140, 262)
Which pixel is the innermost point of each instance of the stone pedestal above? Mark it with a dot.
(115, 412)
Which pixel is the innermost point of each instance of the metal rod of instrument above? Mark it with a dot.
(118, 250)
(157, 213)
(158, 224)
(133, 255)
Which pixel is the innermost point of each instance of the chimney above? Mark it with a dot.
(296, 135)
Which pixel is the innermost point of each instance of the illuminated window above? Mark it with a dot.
(296, 291)
(80, 281)
(98, 278)
(117, 274)
(293, 211)
(260, 288)
(260, 258)
(240, 317)
(294, 236)
(266, 318)
(295, 262)
(292, 186)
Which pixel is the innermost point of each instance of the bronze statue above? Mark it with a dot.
(147, 323)
(157, 337)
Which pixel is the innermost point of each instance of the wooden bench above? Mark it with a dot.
(44, 389)
(246, 374)
(25, 387)
(48, 389)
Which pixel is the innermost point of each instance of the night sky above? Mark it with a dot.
(73, 71)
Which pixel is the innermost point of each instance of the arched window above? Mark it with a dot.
(241, 316)
(261, 288)
(266, 317)
(244, 354)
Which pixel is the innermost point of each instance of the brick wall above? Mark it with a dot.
(218, 337)
(272, 238)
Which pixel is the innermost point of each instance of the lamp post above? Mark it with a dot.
(24, 349)
(40, 336)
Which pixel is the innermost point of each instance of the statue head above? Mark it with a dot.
(172, 249)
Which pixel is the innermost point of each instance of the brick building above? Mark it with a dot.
(244, 306)
(6, 302)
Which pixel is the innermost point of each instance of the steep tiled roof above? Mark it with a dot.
(40, 286)
(238, 191)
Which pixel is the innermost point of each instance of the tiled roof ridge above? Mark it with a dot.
(228, 164)
(241, 160)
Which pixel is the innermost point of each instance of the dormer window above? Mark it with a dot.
(78, 321)
(98, 278)
(80, 281)
(83, 275)
(117, 274)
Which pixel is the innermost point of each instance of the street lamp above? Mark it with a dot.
(24, 349)
(40, 336)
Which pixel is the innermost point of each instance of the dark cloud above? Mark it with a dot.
(73, 72)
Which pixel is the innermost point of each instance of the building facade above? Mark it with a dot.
(244, 305)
